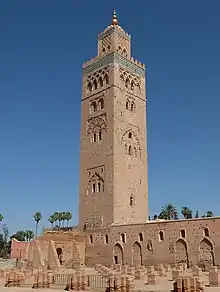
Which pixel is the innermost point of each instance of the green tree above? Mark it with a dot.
(155, 217)
(63, 218)
(37, 219)
(209, 214)
(60, 217)
(69, 217)
(168, 212)
(186, 212)
(51, 220)
(20, 235)
(29, 235)
(1, 217)
(197, 214)
(56, 216)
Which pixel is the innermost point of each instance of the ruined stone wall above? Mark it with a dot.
(19, 249)
(194, 241)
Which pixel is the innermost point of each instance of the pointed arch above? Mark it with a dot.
(181, 255)
(101, 103)
(206, 252)
(127, 82)
(135, 140)
(118, 254)
(136, 254)
(93, 107)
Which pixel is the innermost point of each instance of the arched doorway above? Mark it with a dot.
(59, 254)
(118, 257)
(136, 254)
(181, 252)
(206, 252)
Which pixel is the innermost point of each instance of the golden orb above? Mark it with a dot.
(114, 19)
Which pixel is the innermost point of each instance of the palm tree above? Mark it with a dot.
(63, 218)
(68, 217)
(197, 214)
(29, 234)
(52, 219)
(60, 217)
(1, 217)
(186, 212)
(168, 212)
(155, 217)
(37, 218)
(56, 215)
(209, 214)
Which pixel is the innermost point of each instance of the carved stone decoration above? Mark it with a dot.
(131, 144)
(171, 247)
(130, 81)
(94, 222)
(97, 123)
(150, 245)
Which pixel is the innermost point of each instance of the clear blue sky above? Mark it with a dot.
(43, 45)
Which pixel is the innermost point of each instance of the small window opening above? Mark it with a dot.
(94, 107)
(161, 236)
(94, 137)
(183, 233)
(106, 239)
(100, 135)
(99, 187)
(101, 103)
(103, 50)
(131, 201)
(127, 105)
(95, 84)
(93, 188)
(129, 150)
(129, 135)
(141, 238)
(90, 239)
(206, 231)
(132, 85)
(123, 237)
(108, 47)
(132, 106)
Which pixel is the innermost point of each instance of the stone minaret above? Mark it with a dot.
(113, 157)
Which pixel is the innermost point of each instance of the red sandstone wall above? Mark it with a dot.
(18, 249)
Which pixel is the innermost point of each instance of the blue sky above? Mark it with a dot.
(43, 46)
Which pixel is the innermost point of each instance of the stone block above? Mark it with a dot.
(176, 274)
(152, 278)
(214, 277)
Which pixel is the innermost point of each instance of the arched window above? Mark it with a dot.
(99, 187)
(127, 82)
(127, 104)
(90, 239)
(132, 106)
(122, 77)
(93, 107)
(100, 136)
(94, 137)
(89, 87)
(129, 135)
(95, 85)
(106, 239)
(132, 85)
(123, 237)
(206, 232)
(129, 150)
(93, 188)
(183, 233)
(141, 238)
(131, 200)
(106, 79)
(101, 103)
(100, 82)
(161, 236)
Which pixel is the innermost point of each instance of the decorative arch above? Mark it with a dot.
(136, 254)
(97, 122)
(118, 254)
(89, 86)
(206, 252)
(96, 183)
(101, 103)
(130, 141)
(100, 82)
(181, 255)
(95, 84)
(106, 79)
(206, 231)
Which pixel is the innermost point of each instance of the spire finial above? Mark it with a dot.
(114, 18)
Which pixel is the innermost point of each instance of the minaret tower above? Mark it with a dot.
(113, 155)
